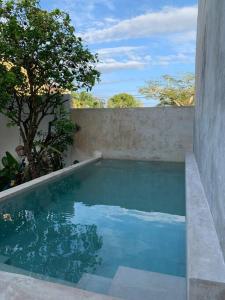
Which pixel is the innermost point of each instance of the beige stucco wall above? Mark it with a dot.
(160, 133)
(136, 133)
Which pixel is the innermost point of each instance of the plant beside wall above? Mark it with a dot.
(40, 59)
(11, 173)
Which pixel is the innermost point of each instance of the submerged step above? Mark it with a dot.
(94, 283)
(134, 284)
(4, 259)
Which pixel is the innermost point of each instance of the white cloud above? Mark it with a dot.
(111, 65)
(83, 14)
(111, 20)
(137, 57)
(141, 62)
(90, 5)
(124, 57)
(179, 58)
(169, 20)
(184, 37)
(124, 50)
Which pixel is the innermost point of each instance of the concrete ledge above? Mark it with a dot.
(43, 179)
(205, 263)
(18, 287)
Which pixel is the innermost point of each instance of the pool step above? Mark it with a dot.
(94, 283)
(16, 286)
(4, 259)
(133, 284)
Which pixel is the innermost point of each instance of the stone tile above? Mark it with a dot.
(20, 287)
(204, 254)
(11, 269)
(205, 261)
(130, 293)
(94, 283)
(136, 284)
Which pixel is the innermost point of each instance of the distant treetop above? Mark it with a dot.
(86, 100)
(171, 91)
(123, 100)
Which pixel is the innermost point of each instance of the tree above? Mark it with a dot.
(171, 91)
(40, 58)
(86, 100)
(123, 100)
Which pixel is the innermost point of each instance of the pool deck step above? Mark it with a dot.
(133, 284)
(94, 283)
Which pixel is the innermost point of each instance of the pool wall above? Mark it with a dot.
(150, 133)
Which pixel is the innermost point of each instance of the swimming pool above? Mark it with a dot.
(108, 214)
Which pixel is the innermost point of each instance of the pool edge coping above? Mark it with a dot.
(4, 195)
(205, 262)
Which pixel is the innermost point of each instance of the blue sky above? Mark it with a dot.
(137, 40)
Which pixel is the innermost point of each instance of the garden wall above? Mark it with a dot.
(160, 133)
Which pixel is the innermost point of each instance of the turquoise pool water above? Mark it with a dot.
(108, 214)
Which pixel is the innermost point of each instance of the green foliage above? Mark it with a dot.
(9, 174)
(123, 100)
(86, 100)
(53, 144)
(171, 91)
(40, 59)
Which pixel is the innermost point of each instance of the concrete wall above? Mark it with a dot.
(137, 133)
(209, 140)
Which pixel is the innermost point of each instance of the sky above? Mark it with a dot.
(137, 40)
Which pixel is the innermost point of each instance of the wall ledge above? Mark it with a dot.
(205, 263)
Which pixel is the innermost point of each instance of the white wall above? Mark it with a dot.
(9, 137)
(160, 133)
